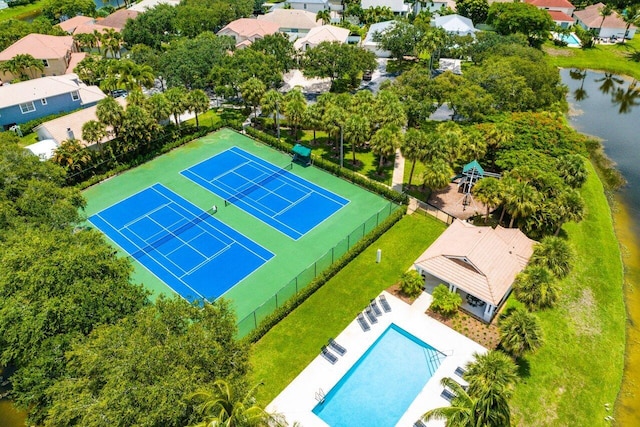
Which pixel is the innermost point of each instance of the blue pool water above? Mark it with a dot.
(382, 384)
(570, 39)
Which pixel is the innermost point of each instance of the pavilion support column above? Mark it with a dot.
(452, 287)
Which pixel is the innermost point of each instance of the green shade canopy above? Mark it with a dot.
(301, 150)
(468, 168)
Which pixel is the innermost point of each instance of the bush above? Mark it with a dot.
(445, 302)
(411, 283)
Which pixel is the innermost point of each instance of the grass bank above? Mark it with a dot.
(576, 375)
(612, 58)
(22, 12)
(289, 347)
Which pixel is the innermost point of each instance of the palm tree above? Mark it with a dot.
(555, 254)
(571, 167)
(488, 409)
(159, 107)
(252, 91)
(357, 130)
(129, 75)
(222, 407)
(86, 40)
(111, 114)
(385, 142)
(21, 64)
(324, 16)
(294, 106)
(111, 41)
(491, 370)
(521, 200)
(177, 100)
(631, 15)
(489, 193)
(437, 174)
(136, 97)
(333, 120)
(535, 287)
(519, 331)
(414, 148)
(271, 101)
(71, 155)
(389, 110)
(571, 208)
(93, 132)
(197, 103)
(313, 118)
(604, 11)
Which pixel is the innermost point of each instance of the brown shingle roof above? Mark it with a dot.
(591, 17)
(119, 18)
(479, 260)
(39, 46)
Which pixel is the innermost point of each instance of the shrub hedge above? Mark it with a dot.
(281, 312)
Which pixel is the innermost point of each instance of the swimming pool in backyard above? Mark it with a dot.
(382, 384)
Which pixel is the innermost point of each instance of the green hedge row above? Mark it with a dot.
(283, 311)
(333, 168)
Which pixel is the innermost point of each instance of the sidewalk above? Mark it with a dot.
(398, 172)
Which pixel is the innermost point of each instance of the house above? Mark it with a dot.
(70, 126)
(33, 99)
(246, 30)
(294, 23)
(455, 24)
(118, 19)
(145, 5)
(612, 26)
(70, 25)
(398, 7)
(314, 6)
(434, 6)
(560, 10)
(54, 51)
(373, 46)
(480, 263)
(324, 33)
(44, 149)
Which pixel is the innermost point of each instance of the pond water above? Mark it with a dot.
(608, 106)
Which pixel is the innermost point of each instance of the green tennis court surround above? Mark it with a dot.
(295, 262)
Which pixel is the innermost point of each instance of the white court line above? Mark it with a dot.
(197, 267)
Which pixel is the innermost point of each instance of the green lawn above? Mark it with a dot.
(579, 368)
(210, 118)
(289, 347)
(612, 58)
(22, 12)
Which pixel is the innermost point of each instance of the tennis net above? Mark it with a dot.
(170, 235)
(258, 184)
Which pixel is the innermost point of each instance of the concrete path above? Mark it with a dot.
(398, 172)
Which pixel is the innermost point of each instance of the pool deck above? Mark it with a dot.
(297, 401)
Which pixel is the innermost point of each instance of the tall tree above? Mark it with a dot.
(159, 107)
(324, 15)
(279, 47)
(414, 148)
(519, 331)
(524, 18)
(476, 10)
(536, 288)
(490, 408)
(492, 370)
(520, 200)
(138, 127)
(224, 407)
(357, 130)
(94, 132)
(631, 16)
(437, 174)
(488, 192)
(72, 156)
(143, 369)
(111, 113)
(385, 142)
(197, 103)
(177, 99)
(294, 106)
(342, 63)
(555, 254)
(252, 91)
(271, 103)
(604, 11)
(22, 65)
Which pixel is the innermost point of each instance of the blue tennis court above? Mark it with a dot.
(187, 248)
(281, 199)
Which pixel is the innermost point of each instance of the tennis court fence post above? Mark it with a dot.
(255, 320)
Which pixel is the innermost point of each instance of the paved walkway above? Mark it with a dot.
(398, 172)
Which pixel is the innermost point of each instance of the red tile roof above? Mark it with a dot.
(545, 4)
(558, 16)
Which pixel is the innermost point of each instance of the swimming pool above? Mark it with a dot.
(382, 384)
(570, 39)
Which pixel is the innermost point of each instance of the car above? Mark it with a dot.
(119, 93)
(367, 75)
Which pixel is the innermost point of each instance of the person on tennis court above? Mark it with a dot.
(214, 209)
